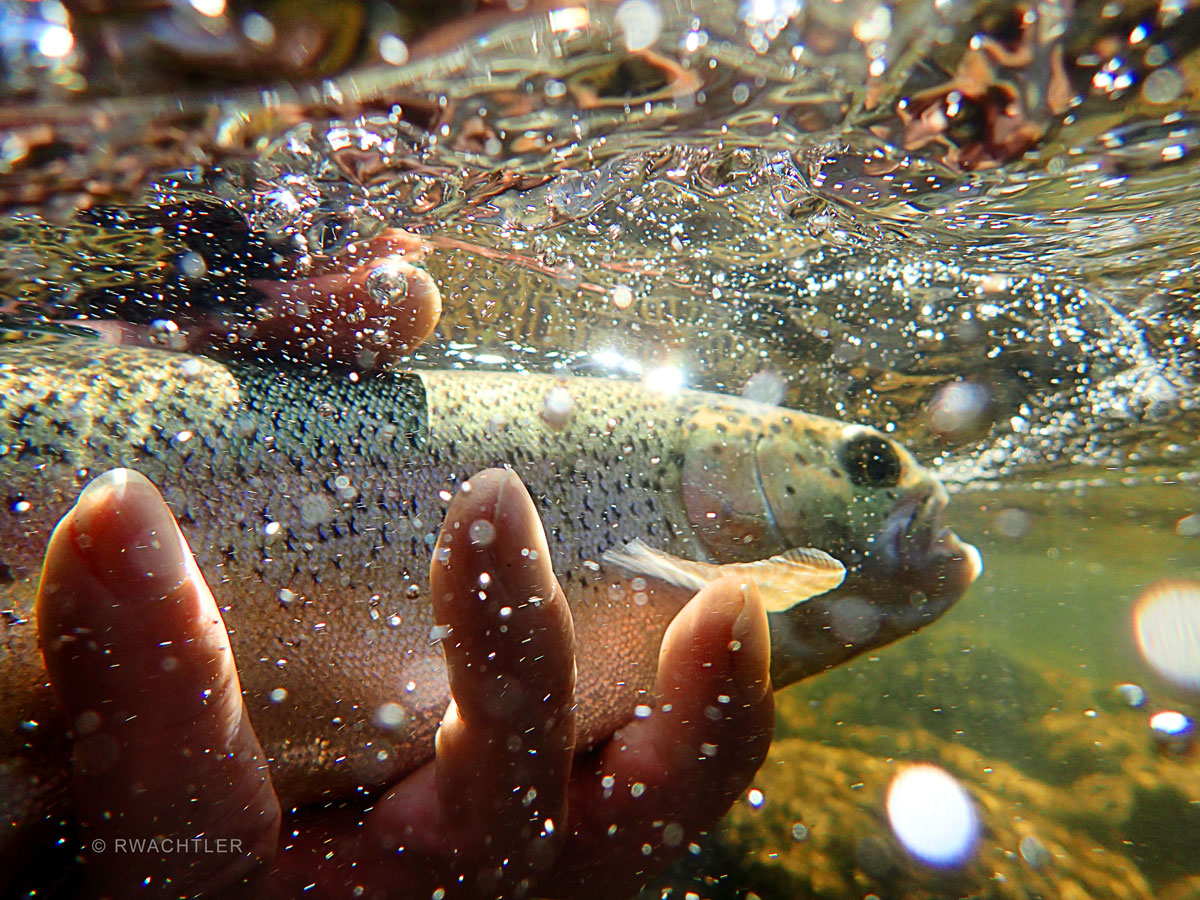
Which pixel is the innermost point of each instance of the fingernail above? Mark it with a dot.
(127, 536)
(750, 645)
(521, 552)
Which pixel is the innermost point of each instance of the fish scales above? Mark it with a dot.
(312, 503)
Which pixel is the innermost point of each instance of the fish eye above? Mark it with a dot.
(871, 461)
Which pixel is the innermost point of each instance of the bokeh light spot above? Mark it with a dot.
(1167, 625)
(932, 816)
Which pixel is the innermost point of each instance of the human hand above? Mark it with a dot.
(364, 307)
(141, 663)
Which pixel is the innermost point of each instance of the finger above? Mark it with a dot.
(663, 779)
(141, 663)
(363, 308)
(505, 746)
(362, 317)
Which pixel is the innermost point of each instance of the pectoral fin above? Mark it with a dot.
(783, 581)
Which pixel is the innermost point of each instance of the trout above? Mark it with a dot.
(312, 501)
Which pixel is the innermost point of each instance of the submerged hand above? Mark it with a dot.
(164, 747)
(364, 308)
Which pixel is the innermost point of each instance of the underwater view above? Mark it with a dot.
(674, 449)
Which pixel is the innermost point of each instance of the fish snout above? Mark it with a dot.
(916, 547)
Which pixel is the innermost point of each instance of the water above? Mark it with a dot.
(971, 225)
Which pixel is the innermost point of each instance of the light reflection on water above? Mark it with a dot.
(971, 225)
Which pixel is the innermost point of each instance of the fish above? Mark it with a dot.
(312, 500)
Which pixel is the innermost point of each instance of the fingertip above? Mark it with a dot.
(141, 664)
(426, 309)
(115, 551)
(397, 304)
(725, 622)
(492, 530)
(118, 571)
(494, 587)
(363, 317)
(750, 644)
(714, 675)
(691, 758)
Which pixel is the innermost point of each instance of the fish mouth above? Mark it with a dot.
(915, 540)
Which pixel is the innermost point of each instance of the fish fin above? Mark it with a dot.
(783, 581)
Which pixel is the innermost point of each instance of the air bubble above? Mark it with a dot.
(481, 533)
(258, 29)
(1163, 85)
(191, 369)
(959, 409)
(192, 265)
(1034, 852)
(557, 407)
(1132, 695)
(1172, 730)
(642, 23)
(766, 386)
(390, 716)
(1013, 522)
(393, 50)
(315, 510)
(1188, 526)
